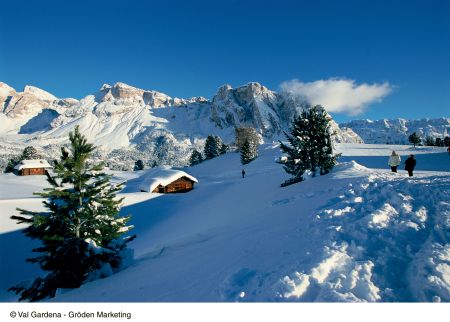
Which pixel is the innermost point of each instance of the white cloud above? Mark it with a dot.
(337, 94)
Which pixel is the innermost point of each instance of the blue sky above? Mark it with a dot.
(190, 48)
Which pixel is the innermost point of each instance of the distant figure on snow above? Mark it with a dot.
(448, 150)
(394, 161)
(243, 173)
(410, 163)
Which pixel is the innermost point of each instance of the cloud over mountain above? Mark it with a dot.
(337, 94)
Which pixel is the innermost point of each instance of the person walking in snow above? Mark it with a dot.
(410, 164)
(448, 150)
(394, 161)
(243, 173)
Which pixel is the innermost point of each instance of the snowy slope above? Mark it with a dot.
(356, 234)
(397, 131)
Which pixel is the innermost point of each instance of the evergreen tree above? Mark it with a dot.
(12, 163)
(196, 158)
(414, 139)
(138, 165)
(211, 149)
(320, 143)
(429, 141)
(81, 232)
(439, 142)
(249, 152)
(310, 146)
(447, 141)
(221, 147)
(30, 153)
(297, 158)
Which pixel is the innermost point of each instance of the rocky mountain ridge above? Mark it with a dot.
(128, 123)
(397, 131)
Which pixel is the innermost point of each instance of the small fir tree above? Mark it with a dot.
(414, 139)
(439, 142)
(196, 158)
(223, 148)
(138, 165)
(447, 141)
(320, 143)
(12, 163)
(30, 153)
(211, 149)
(297, 158)
(249, 152)
(429, 141)
(81, 232)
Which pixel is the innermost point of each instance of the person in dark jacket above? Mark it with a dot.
(243, 173)
(410, 164)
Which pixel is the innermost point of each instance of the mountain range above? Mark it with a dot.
(128, 123)
(397, 131)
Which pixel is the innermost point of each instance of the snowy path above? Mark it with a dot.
(390, 243)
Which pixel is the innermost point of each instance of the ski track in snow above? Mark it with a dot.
(386, 244)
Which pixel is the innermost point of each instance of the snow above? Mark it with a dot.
(152, 178)
(40, 93)
(357, 234)
(397, 131)
(27, 164)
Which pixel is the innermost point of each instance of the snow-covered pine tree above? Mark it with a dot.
(297, 157)
(138, 165)
(12, 163)
(429, 141)
(30, 153)
(320, 144)
(82, 233)
(249, 152)
(310, 146)
(196, 158)
(414, 139)
(211, 149)
(221, 147)
(447, 141)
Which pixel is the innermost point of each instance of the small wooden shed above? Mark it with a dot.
(32, 167)
(166, 180)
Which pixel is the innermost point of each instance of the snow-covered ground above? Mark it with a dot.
(360, 233)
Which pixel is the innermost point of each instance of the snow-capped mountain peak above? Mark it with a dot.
(5, 90)
(39, 93)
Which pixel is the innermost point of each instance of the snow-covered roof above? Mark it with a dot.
(28, 164)
(161, 176)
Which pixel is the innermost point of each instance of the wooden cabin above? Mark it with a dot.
(32, 167)
(166, 180)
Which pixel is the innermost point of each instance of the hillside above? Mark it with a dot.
(359, 233)
(397, 131)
